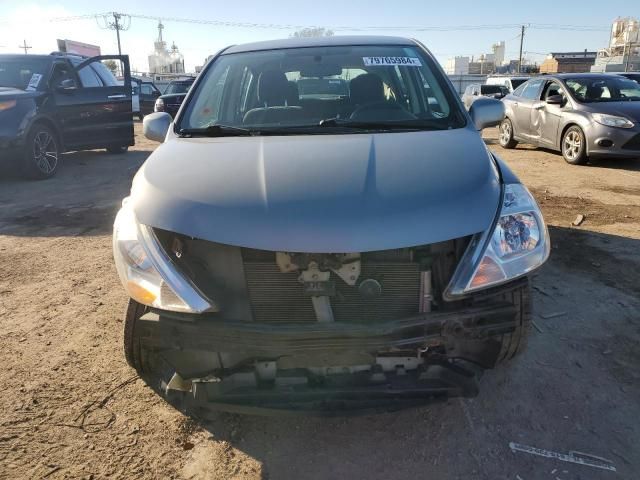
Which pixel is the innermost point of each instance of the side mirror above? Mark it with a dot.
(156, 125)
(66, 86)
(555, 100)
(486, 112)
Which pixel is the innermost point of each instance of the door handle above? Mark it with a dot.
(540, 106)
(119, 96)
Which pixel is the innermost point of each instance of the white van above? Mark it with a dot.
(508, 81)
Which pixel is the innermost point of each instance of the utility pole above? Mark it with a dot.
(521, 42)
(116, 25)
(24, 46)
(121, 22)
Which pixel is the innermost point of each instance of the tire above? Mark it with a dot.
(574, 146)
(149, 366)
(496, 349)
(515, 342)
(506, 134)
(118, 149)
(42, 153)
(134, 353)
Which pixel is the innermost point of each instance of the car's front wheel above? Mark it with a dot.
(136, 355)
(42, 153)
(574, 148)
(506, 134)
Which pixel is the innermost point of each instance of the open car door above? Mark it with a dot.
(109, 114)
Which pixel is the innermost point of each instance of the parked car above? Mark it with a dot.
(173, 96)
(511, 82)
(581, 115)
(342, 252)
(476, 90)
(149, 93)
(50, 104)
(630, 75)
(135, 98)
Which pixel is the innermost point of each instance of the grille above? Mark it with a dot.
(278, 297)
(633, 144)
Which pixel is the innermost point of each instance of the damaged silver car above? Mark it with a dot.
(323, 229)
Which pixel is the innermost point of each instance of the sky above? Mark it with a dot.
(30, 21)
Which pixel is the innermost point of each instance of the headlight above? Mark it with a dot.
(159, 105)
(145, 270)
(518, 244)
(7, 105)
(612, 120)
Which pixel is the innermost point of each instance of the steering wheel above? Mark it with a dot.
(381, 110)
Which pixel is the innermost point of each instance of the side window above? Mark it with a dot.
(531, 90)
(61, 72)
(89, 78)
(518, 91)
(552, 88)
(105, 74)
(146, 89)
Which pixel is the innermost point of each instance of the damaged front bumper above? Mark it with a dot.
(324, 367)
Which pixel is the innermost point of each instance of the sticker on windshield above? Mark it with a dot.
(386, 61)
(34, 82)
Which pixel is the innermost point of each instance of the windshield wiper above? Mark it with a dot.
(216, 130)
(417, 124)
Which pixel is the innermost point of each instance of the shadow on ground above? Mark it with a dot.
(95, 181)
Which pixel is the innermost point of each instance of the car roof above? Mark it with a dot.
(564, 76)
(22, 55)
(52, 56)
(333, 41)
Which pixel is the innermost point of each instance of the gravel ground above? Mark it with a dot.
(72, 408)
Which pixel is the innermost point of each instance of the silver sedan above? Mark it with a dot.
(581, 115)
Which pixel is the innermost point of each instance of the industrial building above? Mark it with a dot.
(163, 60)
(623, 52)
(568, 62)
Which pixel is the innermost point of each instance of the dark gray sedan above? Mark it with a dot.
(581, 115)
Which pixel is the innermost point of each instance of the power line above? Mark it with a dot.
(121, 22)
(277, 26)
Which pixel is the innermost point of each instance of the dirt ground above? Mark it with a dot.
(72, 408)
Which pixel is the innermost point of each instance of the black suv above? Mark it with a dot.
(173, 96)
(54, 103)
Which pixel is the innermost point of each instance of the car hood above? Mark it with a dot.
(10, 93)
(321, 193)
(624, 109)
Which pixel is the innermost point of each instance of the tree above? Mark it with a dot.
(313, 32)
(111, 65)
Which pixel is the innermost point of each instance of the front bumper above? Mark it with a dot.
(300, 367)
(603, 141)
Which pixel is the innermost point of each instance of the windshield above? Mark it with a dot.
(292, 89)
(24, 73)
(604, 89)
(181, 87)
